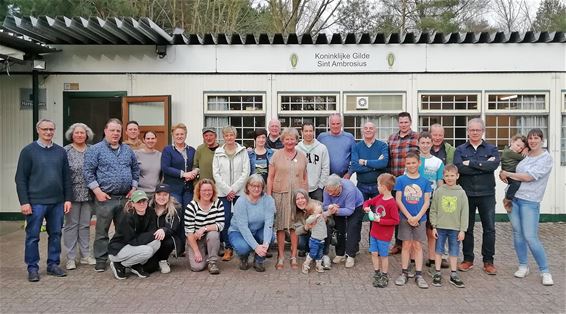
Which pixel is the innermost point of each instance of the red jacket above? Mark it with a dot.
(383, 230)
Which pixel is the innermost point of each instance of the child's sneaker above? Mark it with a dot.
(383, 281)
(412, 270)
(319, 268)
(437, 280)
(421, 283)
(377, 274)
(306, 266)
(456, 281)
(402, 279)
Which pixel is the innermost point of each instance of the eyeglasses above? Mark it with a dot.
(475, 130)
(256, 186)
(47, 129)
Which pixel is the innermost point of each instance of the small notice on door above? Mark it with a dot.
(71, 86)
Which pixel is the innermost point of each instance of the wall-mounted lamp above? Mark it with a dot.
(39, 65)
(161, 51)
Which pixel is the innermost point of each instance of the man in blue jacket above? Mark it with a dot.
(43, 183)
(477, 161)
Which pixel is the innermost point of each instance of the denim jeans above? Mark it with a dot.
(315, 248)
(242, 248)
(106, 212)
(368, 190)
(453, 244)
(348, 232)
(227, 218)
(184, 199)
(486, 210)
(53, 214)
(524, 219)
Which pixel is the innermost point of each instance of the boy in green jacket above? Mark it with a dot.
(449, 220)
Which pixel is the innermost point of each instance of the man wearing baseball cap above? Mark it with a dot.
(205, 153)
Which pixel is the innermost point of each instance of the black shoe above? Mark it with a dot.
(268, 255)
(444, 264)
(138, 270)
(56, 271)
(119, 270)
(33, 276)
(213, 268)
(456, 281)
(100, 266)
(383, 281)
(259, 267)
(437, 280)
(302, 253)
(430, 262)
(244, 263)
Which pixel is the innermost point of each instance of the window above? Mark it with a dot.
(452, 111)
(245, 112)
(510, 114)
(381, 109)
(294, 110)
(563, 137)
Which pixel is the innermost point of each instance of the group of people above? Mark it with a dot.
(224, 200)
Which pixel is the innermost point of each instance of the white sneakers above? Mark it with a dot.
(547, 279)
(71, 264)
(89, 260)
(339, 259)
(522, 272)
(164, 267)
(350, 262)
(326, 262)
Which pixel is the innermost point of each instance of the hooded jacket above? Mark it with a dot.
(318, 163)
(134, 230)
(449, 208)
(230, 174)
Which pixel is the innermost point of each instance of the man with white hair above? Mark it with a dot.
(342, 199)
(273, 140)
(339, 145)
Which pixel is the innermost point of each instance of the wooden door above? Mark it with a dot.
(153, 113)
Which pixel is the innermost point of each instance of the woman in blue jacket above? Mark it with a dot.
(177, 166)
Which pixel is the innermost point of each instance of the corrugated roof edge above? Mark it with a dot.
(62, 30)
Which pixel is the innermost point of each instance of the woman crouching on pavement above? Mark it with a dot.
(204, 220)
(165, 207)
(136, 239)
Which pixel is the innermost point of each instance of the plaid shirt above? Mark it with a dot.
(398, 149)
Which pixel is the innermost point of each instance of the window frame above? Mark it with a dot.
(441, 112)
(368, 112)
(544, 93)
(291, 113)
(231, 94)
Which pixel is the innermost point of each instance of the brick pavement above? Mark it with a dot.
(339, 290)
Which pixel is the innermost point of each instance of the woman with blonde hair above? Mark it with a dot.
(76, 231)
(177, 167)
(287, 172)
(204, 220)
(136, 239)
(165, 207)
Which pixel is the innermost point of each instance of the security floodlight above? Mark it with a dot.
(39, 65)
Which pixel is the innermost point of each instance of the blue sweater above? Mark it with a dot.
(172, 163)
(43, 175)
(340, 151)
(377, 156)
(348, 200)
(249, 218)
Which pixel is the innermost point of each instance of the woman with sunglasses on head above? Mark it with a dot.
(165, 207)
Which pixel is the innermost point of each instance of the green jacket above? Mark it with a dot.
(449, 208)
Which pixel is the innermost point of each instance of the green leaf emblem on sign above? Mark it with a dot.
(294, 60)
(390, 59)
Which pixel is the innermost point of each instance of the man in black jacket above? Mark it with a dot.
(476, 161)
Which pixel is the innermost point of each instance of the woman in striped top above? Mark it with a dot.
(204, 220)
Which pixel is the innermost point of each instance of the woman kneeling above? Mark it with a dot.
(136, 239)
(252, 223)
(204, 220)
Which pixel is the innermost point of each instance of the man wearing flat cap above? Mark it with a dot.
(205, 153)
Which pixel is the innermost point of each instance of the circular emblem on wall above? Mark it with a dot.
(294, 60)
(390, 59)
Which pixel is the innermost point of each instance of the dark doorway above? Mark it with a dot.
(92, 109)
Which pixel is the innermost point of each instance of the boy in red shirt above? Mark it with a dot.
(383, 212)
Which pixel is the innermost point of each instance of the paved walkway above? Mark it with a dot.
(339, 290)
